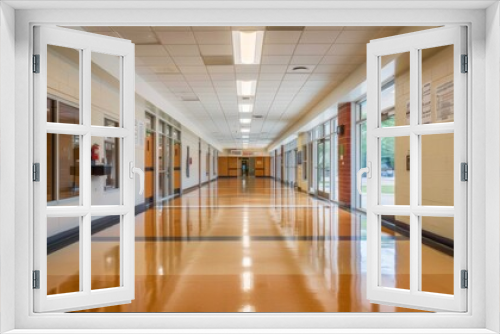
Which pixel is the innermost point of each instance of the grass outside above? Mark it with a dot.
(386, 189)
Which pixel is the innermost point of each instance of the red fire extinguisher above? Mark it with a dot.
(95, 153)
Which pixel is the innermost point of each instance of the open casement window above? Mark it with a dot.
(73, 160)
(417, 155)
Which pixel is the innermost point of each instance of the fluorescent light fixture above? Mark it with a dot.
(247, 46)
(245, 120)
(245, 107)
(245, 136)
(246, 88)
(245, 130)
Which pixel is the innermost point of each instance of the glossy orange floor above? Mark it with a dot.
(249, 245)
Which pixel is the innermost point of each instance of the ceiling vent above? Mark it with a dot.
(218, 60)
(285, 28)
(257, 116)
(300, 69)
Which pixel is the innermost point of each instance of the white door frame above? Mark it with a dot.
(477, 319)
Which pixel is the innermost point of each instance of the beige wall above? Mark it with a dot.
(437, 150)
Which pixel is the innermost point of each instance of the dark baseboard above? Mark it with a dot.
(63, 239)
(430, 239)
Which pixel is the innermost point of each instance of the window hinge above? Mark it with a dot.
(465, 279)
(464, 172)
(36, 172)
(36, 63)
(465, 64)
(36, 279)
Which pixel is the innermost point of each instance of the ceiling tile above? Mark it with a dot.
(197, 60)
(183, 50)
(311, 49)
(273, 68)
(350, 60)
(153, 61)
(305, 60)
(150, 51)
(278, 49)
(216, 50)
(197, 77)
(221, 69)
(276, 59)
(171, 77)
(349, 37)
(140, 38)
(343, 49)
(318, 37)
(281, 37)
(187, 69)
(97, 29)
(271, 76)
(176, 37)
(213, 37)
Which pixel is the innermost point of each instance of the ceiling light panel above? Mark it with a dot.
(245, 108)
(245, 120)
(245, 130)
(246, 88)
(247, 47)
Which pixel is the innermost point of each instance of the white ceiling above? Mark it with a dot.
(170, 59)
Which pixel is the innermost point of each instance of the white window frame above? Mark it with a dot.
(483, 308)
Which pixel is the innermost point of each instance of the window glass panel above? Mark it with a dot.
(362, 162)
(63, 79)
(437, 85)
(106, 89)
(105, 252)
(437, 169)
(394, 171)
(63, 170)
(395, 97)
(395, 252)
(437, 254)
(63, 255)
(105, 170)
(362, 110)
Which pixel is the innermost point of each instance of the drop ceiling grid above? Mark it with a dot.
(170, 59)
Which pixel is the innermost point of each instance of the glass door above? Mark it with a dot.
(417, 163)
(79, 153)
(323, 168)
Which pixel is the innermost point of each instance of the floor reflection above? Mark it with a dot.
(255, 246)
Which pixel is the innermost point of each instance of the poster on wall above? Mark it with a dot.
(426, 103)
(444, 102)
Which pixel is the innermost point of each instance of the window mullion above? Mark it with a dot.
(86, 184)
(414, 171)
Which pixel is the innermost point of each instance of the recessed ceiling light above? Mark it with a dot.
(245, 136)
(246, 88)
(245, 120)
(245, 107)
(245, 130)
(247, 46)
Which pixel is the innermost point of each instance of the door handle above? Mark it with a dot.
(135, 170)
(368, 171)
